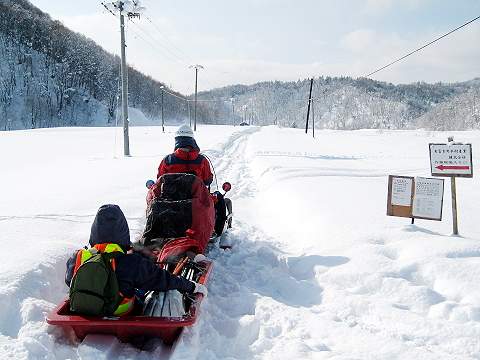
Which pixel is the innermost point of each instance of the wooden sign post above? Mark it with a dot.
(452, 160)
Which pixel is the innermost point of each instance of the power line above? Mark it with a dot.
(186, 63)
(207, 79)
(175, 95)
(182, 62)
(169, 40)
(169, 50)
(424, 46)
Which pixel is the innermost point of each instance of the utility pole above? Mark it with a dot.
(189, 113)
(163, 117)
(233, 111)
(126, 140)
(131, 9)
(197, 67)
(309, 102)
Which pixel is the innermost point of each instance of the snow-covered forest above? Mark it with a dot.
(349, 104)
(51, 76)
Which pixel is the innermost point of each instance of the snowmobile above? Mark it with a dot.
(181, 222)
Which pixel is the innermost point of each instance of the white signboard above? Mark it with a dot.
(428, 198)
(402, 191)
(451, 160)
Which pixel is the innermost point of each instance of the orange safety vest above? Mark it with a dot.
(127, 303)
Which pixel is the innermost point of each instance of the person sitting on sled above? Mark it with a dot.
(133, 271)
(186, 157)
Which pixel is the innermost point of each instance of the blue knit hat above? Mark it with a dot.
(110, 226)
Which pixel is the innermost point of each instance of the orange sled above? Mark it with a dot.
(125, 328)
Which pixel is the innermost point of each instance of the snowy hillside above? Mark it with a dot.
(317, 270)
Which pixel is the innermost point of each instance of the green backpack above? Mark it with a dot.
(94, 287)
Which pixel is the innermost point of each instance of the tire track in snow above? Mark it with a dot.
(229, 163)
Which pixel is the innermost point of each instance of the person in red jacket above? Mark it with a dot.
(186, 157)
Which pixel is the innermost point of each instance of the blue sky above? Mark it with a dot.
(248, 41)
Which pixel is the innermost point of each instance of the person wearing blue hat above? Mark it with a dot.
(133, 271)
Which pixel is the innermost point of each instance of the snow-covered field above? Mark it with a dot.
(317, 270)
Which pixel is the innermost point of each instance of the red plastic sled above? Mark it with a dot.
(126, 327)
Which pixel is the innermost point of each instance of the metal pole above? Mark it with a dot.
(163, 121)
(309, 102)
(454, 206)
(197, 67)
(195, 109)
(126, 144)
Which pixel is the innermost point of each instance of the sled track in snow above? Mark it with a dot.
(229, 163)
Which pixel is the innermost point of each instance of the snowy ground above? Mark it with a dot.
(317, 271)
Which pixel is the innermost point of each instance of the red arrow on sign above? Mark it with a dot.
(442, 167)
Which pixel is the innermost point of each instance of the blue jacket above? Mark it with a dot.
(132, 270)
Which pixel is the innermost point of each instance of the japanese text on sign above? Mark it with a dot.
(428, 197)
(451, 160)
(402, 191)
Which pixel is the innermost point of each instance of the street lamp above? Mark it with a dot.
(197, 67)
(131, 9)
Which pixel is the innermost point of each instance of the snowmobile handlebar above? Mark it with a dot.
(226, 185)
